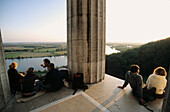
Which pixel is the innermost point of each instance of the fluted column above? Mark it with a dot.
(4, 84)
(86, 38)
(166, 103)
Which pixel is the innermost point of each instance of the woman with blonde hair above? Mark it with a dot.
(14, 78)
(158, 80)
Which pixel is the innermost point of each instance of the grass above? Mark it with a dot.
(15, 48)
(13, 54)
(60, 52)
(32, 54)
(45, 50)
(34, 50)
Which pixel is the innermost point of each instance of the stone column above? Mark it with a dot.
(86, 38)
(166, 103)
(4, 84)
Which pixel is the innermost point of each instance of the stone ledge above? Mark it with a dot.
(103, 96)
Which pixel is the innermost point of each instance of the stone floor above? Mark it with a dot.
(103, 96)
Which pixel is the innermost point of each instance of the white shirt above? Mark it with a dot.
(157, 81)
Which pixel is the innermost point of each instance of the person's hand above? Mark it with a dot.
(42, 65)
(21, 74)
(121, 87)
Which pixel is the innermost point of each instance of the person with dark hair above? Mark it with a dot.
(157, 80)
(14, 78)
(136, 81)
(29, 85)
(46, 63)
(52, 81)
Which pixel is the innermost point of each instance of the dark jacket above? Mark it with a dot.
(14, 79)
(54, 79)
(28, 82)
(136, 81)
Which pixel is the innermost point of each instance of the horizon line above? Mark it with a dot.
(66, 42)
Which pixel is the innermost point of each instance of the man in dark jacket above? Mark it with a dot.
(136, 81)
(52, 81)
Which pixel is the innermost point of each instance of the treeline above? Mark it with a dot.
(17, 50)
(148, 57)
(61, 49)
(32, 50)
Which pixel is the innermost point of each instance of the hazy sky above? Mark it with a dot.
(45, 20)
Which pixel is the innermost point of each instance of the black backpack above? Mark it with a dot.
(78, 82)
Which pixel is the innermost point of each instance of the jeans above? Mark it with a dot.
(49, 88)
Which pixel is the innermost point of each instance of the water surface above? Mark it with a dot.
(24, 64)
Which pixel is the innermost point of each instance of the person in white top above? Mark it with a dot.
(157, 80)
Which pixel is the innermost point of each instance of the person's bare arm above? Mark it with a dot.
(21, 74)
(121, 87)
(125, 83)
(43, 65)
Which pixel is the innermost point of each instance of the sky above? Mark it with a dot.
(45, 20)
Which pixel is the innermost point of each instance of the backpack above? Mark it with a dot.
(78, 82)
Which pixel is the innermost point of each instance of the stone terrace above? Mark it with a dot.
(103, 96)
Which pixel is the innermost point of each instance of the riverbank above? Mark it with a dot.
(38, 73)
(22, 55)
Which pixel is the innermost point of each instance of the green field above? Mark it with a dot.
(30, 50)
(46, 50)
(13, 54)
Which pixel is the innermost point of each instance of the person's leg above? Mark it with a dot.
(13, 92)
(46, 87)
(149, 94)
(160, 95)
(37, 87)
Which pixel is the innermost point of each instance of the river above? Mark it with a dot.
(24, 64)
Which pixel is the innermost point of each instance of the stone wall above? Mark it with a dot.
(166, 103)
(86, 38)
(4, 84)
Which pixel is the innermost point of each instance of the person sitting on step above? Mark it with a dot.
(136, 81)
(14, 78)
(46, 63)
(52, 81)
(30, 84)
(158, 80)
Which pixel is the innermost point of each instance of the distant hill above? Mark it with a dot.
(148, 57)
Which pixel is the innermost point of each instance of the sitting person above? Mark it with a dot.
(52, 81)
(14, 78)
(157, 80)
(136, 81)
(46, 63)
(29, 86)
